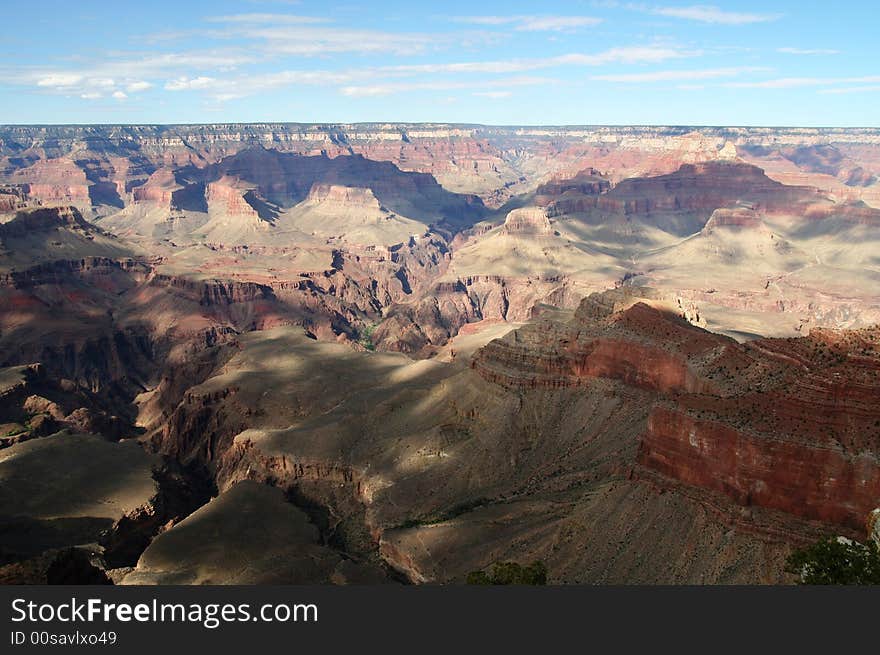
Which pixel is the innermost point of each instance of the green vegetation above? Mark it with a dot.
(834, 561)
(366, 336)
(13, 429)
(510, 573)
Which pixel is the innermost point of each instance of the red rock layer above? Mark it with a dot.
(158, 189)
(810, 481)
(55, 181)
(632, 346)
(787, 424)
(804, 437)
(704, 187)
(224, 196)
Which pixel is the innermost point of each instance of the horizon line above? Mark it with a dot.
(455, 124)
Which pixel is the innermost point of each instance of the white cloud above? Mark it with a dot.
(155, 65)
(119, 95)
(780, 83)
(127, 72)
(67, 81)
(629, 55)
(676, 75)
(91, 95)
(134, 87)
(795, 82)
(624, 55)
(557, 23)
(487, 20)
(709, 14)
(311, 41)
(307, 36)
(494, 95)
(241, 86)
(189, 84)
(372, 90)
(267, 18)
(60, 79)
(852, 89)
(533, 23)
(808, 51)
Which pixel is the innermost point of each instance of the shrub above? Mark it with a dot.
(510, 573)
(836, 561)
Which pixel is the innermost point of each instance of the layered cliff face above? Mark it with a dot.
(802, 438)
(624, 415)
(35, 236)
(225, 197)
(233, 190)
(786, 424)
(849, 171)
(495, 163)
(58, 181)
(637, 347)
(703, 188)
(113, 320)
(487, 473)
(35, 403)
(157, 188)
(286, 180)
(532, 221)
(266, 197)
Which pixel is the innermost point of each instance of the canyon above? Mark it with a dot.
(399, 353)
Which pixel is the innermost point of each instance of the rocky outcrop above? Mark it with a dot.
(812, 481)
(54, 181)
(528, 221)
(587, 182)
(421, 326)
(704, 187)
(250, 534)
(617, 346)
(787, 424)
(223, 196)
(157, 189)
(343, 196)
(11, 199)
(286, 180)
(212, 293)
(738, 218)
(800, 438)
(491, 469)
(42, 220)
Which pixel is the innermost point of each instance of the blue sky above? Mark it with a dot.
(548, 63)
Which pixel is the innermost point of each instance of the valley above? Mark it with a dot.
(399, 353)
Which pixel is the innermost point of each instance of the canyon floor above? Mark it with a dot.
(271, 354)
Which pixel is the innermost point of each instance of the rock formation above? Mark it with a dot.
(636, 354)
(528, 221)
